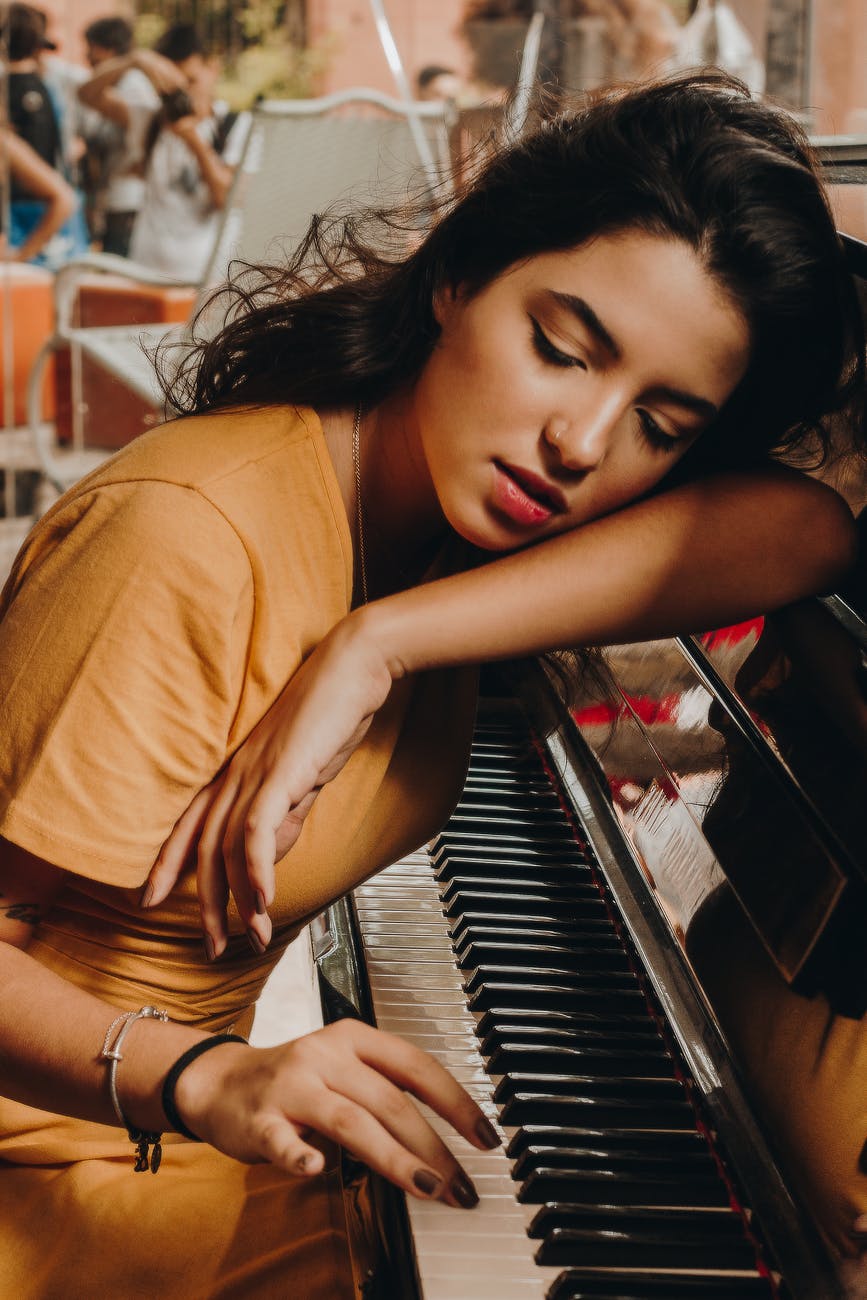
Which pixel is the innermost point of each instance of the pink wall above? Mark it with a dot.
(424, 31)
(68, 19)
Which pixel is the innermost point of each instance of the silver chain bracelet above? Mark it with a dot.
(142, 1139)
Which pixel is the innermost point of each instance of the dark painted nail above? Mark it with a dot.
(464, 1192)
(146, 895)
(210, 950)
(259, 898)
(487, 1134)
(255, 943)
(426, 1182)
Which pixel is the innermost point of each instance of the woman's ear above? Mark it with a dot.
(445, 298)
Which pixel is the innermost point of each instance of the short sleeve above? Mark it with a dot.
(123, 647)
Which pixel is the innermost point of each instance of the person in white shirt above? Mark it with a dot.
(116, 189)
(189, 146)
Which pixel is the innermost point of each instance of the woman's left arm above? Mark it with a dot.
(702, 555)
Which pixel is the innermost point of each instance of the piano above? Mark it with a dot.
(641, 943)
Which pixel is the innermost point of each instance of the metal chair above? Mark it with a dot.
(300, 157)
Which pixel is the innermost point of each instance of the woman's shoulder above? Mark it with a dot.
(197, 451)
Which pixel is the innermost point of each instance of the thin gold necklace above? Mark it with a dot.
(359, 509)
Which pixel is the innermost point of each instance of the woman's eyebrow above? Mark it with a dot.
(581, 309)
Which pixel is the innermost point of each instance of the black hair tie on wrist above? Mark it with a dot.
(171, 1081)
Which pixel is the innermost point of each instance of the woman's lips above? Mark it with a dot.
(525, 497)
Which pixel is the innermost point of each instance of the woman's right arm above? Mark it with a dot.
(348, 1082)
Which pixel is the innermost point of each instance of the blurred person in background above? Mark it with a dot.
(189, 146)
(34, 117)
(27, 170)
(114, 179)
(437, 82)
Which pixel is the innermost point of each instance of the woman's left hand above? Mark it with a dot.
(252, 812)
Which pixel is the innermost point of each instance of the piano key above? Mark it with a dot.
(584, 1284)
(574, 955)
(562, 1110)
(578, 1031)
(558, 995)
(632, 1237)
(597, 1058)
(678, 1142)
(485, 978)
(577, 1074)
(529, 902)
(530, 929)
(602, 1185)
(592, 1152)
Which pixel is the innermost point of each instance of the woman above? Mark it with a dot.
(653, 284)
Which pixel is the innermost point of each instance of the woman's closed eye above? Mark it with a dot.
(548, 351)
(654, 434)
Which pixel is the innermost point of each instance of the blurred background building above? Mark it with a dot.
(815, 51)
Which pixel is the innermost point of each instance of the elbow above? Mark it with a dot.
(65, 204)
(835, 538)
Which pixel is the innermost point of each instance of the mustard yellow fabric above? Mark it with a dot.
(151, 618)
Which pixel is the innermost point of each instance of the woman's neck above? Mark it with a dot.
(403, 526)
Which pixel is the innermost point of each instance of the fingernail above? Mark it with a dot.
(255, 943)
(302, 1164)
(487, 1134)
(259, 899)
(464, 1192)
(426, 1182)
(146, 895)
(210, 950)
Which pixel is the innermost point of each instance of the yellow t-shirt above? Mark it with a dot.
(151, 619)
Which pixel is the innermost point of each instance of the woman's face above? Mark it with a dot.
(572, 384)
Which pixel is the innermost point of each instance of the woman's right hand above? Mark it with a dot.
(349, 1083)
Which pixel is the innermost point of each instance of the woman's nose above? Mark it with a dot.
(582, 438)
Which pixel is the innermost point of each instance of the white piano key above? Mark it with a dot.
(479, 1254)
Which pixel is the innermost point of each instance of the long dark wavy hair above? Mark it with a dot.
(350, 318)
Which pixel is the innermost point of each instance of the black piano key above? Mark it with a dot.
(591, 1150)
(480, 841)
(593, 920)
(644, 1089)
(598, 1057)
(595, 1015)
(634, 1237)
(571, 893)
(531, 930)
(585, 1109)
(629, 1186)
(556, 996)
(584, 1284)
(482, 980)
(555, 871)
(532, 902)
(572, 955)
(686, 1143)
(597, 1032)
(549, 831)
